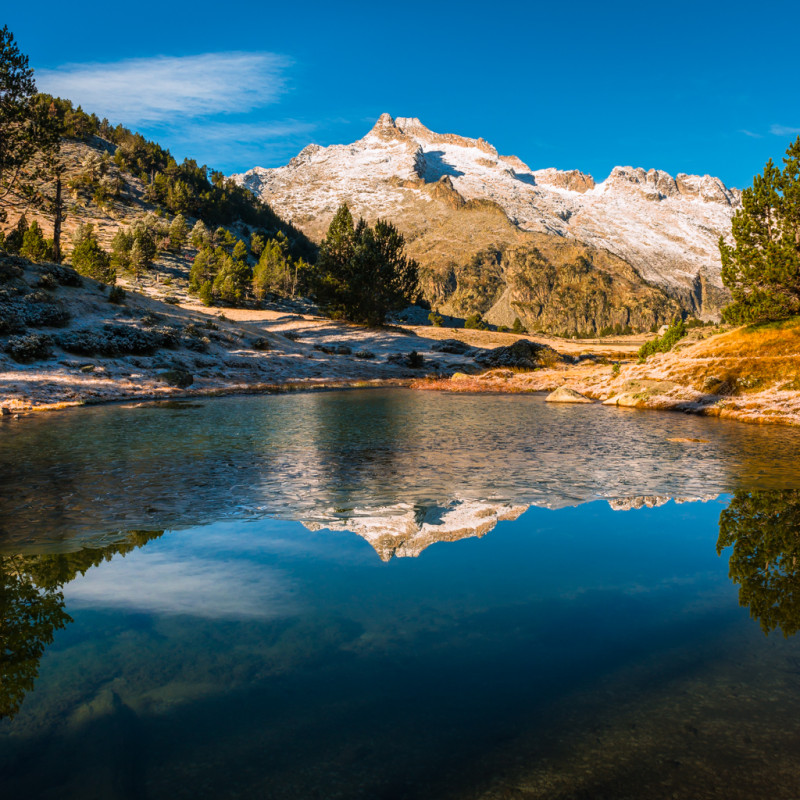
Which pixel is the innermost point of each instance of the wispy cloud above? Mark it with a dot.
(751, 134)
(147, 91)
(211, 587)
(783, 130)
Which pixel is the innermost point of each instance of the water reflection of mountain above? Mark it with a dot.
(32, 609)
(762, 528)
(317, 457)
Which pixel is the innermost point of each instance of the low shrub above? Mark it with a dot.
(33, 347)
(475, 322)
(20, 308)
(117, 340)
(64, 276)
(415, 360)
(116, 295)
(665, 343)
(437, 320)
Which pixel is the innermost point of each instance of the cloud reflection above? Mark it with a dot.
(165, 584)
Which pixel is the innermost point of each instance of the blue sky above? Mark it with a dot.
(698, 87)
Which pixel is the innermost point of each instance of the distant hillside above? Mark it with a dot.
(113, 177)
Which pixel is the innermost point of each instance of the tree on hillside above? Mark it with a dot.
(762, 267)
(25, 127)
(89, 258)
(17, 87)
(34, 245)
(362, 272)
(200, 235)
(178, 234)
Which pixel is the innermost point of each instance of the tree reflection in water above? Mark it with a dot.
(764, 530)
(32, 609)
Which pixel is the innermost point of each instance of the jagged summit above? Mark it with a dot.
(666, 227)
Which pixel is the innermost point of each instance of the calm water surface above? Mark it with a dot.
(390, 594)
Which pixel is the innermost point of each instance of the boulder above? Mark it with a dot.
(626, 400)
(179, 378)
(452, 346)
(565, 395)
(523, 353)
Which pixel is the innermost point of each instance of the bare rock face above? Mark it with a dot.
(573, 180)
(664, 228)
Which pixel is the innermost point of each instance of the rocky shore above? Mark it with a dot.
(747, 374)
(66, 340)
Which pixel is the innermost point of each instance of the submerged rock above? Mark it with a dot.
(565, 395)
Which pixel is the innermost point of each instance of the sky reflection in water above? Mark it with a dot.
(573, 652)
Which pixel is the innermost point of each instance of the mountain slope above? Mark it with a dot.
(665, 228)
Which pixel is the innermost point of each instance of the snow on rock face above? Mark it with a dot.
(666, 227)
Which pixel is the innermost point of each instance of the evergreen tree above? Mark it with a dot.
(333, 268)
(240, 251)
(269, 272)
(143, 249)
(34, 245)
(178, 234)
(17, 125)
(257, 242)
(138, 260)
(232, 279)
(203, 271)
(121, 250)
(89, 258)
(200, 235)
(762, 267)
(15, 237)
(362, 272)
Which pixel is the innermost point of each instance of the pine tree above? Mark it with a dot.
(362, 272)
(178, 233)
(121, 250)
(240, 251)
(15, 237)
(89, 258)
(232, 280)
(200, 235)
(138, 260)
(17, 140)
(269, 272)
(257, 243)
(34, 245)
(762, 268)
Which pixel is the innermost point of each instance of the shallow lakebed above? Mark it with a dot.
(390, 594)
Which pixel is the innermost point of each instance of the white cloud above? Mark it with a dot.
(146, 91)
(165, 583)
(751, 134)
(783, 130)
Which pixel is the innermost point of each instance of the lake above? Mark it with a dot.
(395, 594)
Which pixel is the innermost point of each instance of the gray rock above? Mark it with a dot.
(452, 346)
(176, 377)
(523, 353)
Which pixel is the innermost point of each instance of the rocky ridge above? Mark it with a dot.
(665, 227)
